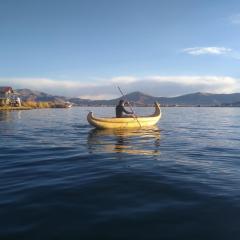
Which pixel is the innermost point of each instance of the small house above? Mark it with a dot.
(5, 95)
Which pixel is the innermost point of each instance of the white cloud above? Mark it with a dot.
(194, 80)
(207, 50)
(98, 96)
(44, 82)
(157, 85)
(235, 19)
(124, 79)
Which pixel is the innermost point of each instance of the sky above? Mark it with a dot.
(85, 48)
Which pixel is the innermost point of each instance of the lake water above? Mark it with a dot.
(60, 179)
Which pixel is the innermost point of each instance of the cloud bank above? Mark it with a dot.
(207, 50)
(156, 85)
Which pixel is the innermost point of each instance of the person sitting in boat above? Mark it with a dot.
(120, 110)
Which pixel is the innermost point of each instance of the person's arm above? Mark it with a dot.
(127, 112)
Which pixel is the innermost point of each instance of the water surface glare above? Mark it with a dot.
(62, 179)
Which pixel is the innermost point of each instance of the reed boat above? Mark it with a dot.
(125, 122)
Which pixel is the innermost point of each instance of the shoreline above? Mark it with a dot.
(14, 108)
(31, 108)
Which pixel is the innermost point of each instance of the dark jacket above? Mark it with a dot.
(120, 110)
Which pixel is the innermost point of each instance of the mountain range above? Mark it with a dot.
(140, 99)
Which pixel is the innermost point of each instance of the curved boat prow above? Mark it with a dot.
(157, 109)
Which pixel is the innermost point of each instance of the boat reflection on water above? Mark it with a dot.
(144, 141)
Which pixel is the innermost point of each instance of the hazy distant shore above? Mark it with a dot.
(97, 106)
(198, 99)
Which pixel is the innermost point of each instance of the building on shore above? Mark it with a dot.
(5, 95)
(8, 97)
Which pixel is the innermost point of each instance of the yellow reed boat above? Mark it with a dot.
(125, 122)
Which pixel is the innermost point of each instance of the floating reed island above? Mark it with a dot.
(28, 105)
(9, 108)
(14, 100)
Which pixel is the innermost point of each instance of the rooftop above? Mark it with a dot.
(6, 90)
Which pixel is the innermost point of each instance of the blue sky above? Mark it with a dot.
(85, 48)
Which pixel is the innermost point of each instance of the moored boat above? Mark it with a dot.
(63, 105)
(125, 122)
(68, 105)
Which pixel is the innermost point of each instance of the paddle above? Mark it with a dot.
(134, 116)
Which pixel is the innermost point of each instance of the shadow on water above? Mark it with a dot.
(144, 141)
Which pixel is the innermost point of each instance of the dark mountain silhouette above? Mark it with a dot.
(140, 99)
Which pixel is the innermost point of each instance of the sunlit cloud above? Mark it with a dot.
(157, 85)
(124, 79)
(44, 83)
(207, 50)
(98, 96)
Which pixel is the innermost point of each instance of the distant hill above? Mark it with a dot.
(235, 104)
(36, 96)
(137, 98)
(194, 99)
(202, 99)
(30, 95)
(140, 99)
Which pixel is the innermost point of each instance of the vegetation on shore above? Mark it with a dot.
(27, 105)
(14, 108)
(33, 104)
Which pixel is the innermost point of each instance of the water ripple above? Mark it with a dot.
(61, 179)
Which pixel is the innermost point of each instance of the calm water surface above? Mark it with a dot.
(61, 179)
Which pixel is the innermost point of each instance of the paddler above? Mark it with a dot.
(120, 110)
